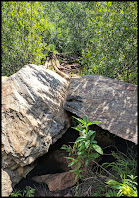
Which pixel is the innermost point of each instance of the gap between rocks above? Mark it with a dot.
(54, 162)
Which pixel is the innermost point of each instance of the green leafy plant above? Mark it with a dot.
(49, 48)
(85, 147)
(111, 193)
(16, 193)
(127, 187)
(124, 165)
(123, 169)
(60, 60)
(28, 192)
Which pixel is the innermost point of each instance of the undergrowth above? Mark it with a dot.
(110, 179)
(113, 179)
(85, 148)
(28, 192)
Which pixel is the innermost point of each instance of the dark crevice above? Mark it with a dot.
(47, 165)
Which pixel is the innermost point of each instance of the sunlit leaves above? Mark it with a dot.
(98, 148)
(113, 23)
(106, 31)
(22, 29)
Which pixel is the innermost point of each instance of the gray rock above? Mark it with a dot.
(33, 117)
(110, 101)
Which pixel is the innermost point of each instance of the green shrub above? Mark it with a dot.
(85, 146)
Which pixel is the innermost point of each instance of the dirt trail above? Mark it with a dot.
(64, 65)
(68, 64)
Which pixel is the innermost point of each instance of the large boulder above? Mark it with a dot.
(33, 117)
(110, 101)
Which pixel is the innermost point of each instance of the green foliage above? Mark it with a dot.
(16, 193)
(112, 51)
(127, 187)
(60, 60)
(85, 147)
(124, 165)
(49, 48)
(22, 29)
(123, 170)
(28, 192)
(101, 192)
(111, 193)
(102, 35)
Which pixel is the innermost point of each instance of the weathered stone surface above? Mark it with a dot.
(33, 117)
(58, 181)
(4, 78)
(110, 101)
(20, 172)
(6, 184)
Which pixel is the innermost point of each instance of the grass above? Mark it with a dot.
(113, 179)
(94, 183)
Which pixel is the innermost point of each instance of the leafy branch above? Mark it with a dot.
(85, 147)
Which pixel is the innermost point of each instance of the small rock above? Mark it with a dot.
(58, 181)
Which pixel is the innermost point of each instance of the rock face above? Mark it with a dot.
(6, 184)
(110, 101)
(33, 117)
(4, 78)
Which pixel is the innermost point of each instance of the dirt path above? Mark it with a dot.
(67, 67)
(68, 64)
